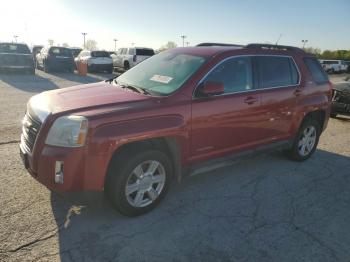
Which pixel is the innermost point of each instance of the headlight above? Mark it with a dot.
(68, 131)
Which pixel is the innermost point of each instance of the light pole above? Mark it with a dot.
(84, 34)
(183, 40)
(15, 37)
(115, 44)
(304, 42)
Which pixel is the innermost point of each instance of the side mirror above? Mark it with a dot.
(212, 88)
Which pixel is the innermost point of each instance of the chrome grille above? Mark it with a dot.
(30, 130)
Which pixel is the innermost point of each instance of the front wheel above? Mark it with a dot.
(137, 183)
(305, 143)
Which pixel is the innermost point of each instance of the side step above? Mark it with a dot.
(232, 159)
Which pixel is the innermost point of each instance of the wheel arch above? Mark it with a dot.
(168, 145)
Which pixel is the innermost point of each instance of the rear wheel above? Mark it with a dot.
(305, 143)
(126, 65)
(137, 183)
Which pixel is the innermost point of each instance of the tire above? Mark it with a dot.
(312, 127)
(46, 68)
(334, 115)
(126, 66)
(130, 170)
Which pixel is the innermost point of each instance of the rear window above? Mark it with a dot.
(60, 51)
(276, 71)
(144, 52)
(14, 48)
(316, 70)
(100, 54)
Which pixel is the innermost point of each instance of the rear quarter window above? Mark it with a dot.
(316, 70)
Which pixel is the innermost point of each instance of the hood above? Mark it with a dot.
(83, 98)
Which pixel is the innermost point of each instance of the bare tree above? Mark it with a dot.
(90, 44)
(65, 45)
(50, 41)
(167, 46)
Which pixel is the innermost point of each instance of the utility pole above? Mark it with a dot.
(187, 43)
(304, 42)
(115, 44)
(15, 37)
(279, 38)
(183, 40)
(84, 34)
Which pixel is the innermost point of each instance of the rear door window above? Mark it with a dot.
(276, 71)
(316, 70)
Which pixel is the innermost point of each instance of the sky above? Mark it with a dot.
(324, 23)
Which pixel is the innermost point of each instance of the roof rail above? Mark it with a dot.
(278, 47)
(218, 44)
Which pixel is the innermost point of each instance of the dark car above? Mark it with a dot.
(36, 50)
(55, 58)
(15, 56)
(341, 98)
(173, 115)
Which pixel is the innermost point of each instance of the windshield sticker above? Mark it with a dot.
(161, 79)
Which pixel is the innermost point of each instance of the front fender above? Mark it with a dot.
(107, 138)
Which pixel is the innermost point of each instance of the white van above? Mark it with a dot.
(334, 66)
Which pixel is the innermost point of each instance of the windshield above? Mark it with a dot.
(14, 48)
(163, 73)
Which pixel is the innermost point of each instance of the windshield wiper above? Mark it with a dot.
(133, 88)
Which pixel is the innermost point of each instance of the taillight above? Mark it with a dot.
(134, 58)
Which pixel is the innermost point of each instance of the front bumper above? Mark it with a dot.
(44, 171)
(340, 108)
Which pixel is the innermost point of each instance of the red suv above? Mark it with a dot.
(169, 115)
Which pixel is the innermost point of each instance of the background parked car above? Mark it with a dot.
(129, 57)
(96, 60)
(55, 58)
(15, 56)
(341, 98)
(334, 66)
(348, 64)
(75, 51)
(36, 50)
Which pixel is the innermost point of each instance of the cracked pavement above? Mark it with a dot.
(263, 208)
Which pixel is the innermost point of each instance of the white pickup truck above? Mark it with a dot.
(334, 66)
(129, 57)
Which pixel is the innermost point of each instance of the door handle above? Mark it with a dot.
(250, 100)
(298, 92)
